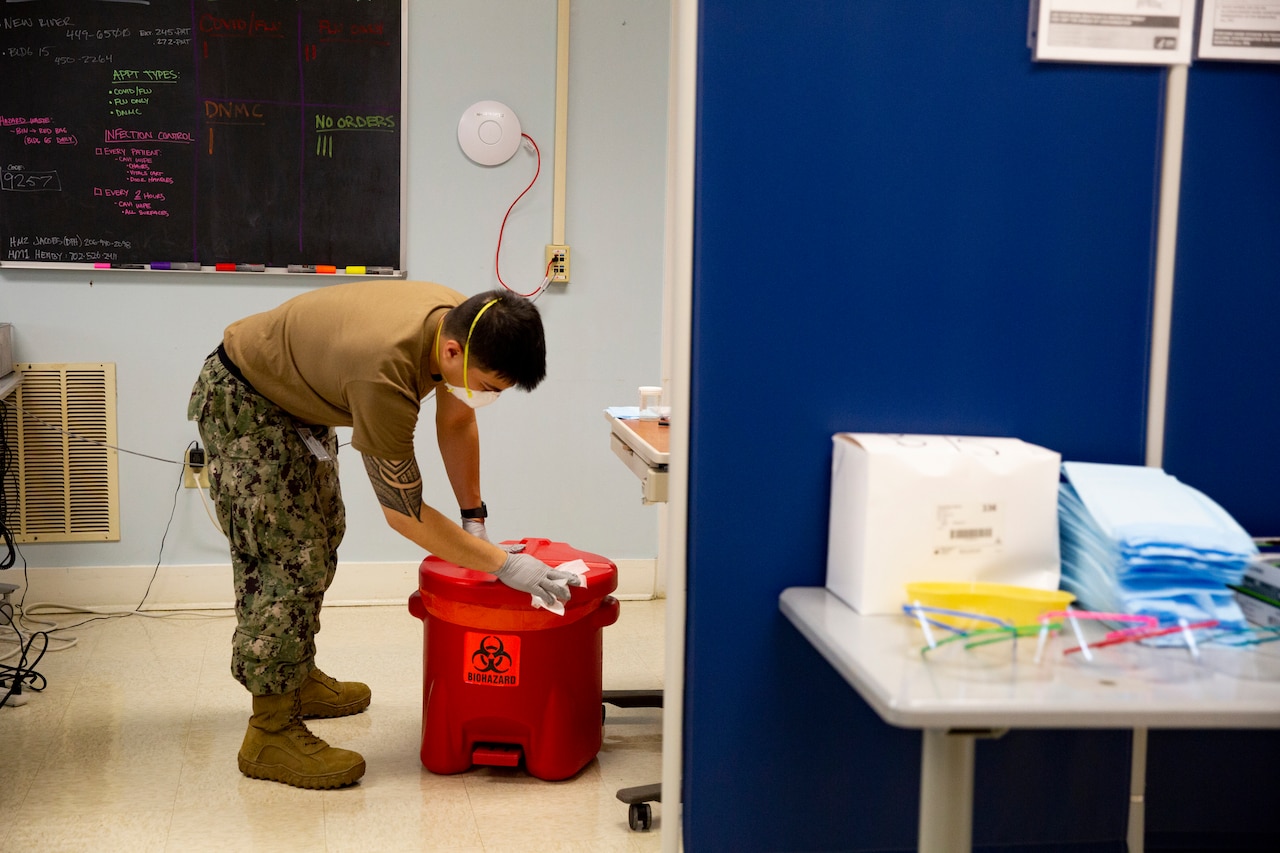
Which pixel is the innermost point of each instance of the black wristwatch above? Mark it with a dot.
(481, 511)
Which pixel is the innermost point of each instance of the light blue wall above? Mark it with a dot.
(547, 467)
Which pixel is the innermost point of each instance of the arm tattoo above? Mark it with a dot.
(397, 483)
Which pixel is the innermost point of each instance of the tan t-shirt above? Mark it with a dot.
(354, 354)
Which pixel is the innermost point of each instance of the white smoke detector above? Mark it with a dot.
(489, 132)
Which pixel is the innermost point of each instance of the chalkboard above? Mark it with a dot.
(202, 131)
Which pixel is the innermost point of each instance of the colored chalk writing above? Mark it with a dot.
(210, 130)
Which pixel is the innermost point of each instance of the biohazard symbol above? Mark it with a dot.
(491, 660)
(491, 656)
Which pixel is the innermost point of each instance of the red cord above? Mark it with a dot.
(498, 254)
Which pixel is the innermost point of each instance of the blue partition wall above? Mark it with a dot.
(902, 224)
(1224, 399)
(1223, 412)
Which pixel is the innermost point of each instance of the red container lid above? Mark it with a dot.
(451, 582)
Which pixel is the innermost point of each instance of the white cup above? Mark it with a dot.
(650, 401)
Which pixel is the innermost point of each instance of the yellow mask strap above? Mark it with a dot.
(466, 349)
(439, 326)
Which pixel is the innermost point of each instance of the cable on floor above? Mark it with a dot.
(13, 677)
(6, 469)
(27, 611)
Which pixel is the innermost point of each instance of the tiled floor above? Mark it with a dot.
(132, 746)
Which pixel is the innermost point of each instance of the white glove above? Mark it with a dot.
(477, 529)
(529, 574)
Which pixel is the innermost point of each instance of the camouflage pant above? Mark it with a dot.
(281, 509)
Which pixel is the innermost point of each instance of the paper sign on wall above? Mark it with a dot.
(1240, 29)
(1150, 32)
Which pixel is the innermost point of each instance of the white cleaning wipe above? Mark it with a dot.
(579, 568)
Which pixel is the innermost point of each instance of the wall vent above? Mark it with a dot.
(65, 484)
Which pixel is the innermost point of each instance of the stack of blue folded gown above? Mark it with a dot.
(1136, 540)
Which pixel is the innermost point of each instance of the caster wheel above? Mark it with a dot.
(640, 817)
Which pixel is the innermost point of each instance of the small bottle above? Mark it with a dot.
(650, 400)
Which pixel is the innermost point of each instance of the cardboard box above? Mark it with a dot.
(1263, 613)
(6, 349)
(1259, 591)
(908, 508)
(1263, 575)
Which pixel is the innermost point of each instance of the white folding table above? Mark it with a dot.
(880, 657)
(644, 447)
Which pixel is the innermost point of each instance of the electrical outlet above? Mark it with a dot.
(557, 263)
(195, 476)
(193, 479)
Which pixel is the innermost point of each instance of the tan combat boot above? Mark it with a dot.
(323, 696)
(279, 747)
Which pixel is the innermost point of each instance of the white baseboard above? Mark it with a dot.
(209, 587)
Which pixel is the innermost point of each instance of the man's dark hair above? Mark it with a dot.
(508, 339)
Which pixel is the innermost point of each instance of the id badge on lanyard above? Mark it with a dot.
(313, 444)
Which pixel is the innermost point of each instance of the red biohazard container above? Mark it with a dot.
(503, 680)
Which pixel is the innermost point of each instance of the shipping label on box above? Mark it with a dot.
(908, 508)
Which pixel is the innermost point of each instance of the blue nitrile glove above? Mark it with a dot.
(477, 529)
(529, 574)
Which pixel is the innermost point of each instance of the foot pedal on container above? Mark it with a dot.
(496, 755)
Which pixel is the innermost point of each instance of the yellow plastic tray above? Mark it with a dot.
(1018, 605)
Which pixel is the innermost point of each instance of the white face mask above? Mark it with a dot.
(474, 399)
